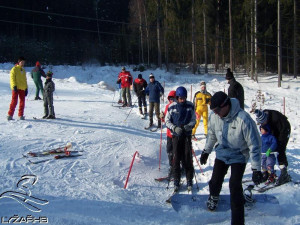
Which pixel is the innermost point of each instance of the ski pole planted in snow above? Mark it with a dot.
(136, 153)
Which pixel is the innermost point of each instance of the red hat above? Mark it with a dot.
(37, 63)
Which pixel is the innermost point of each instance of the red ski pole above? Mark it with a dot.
(130, 169)
(197, 161)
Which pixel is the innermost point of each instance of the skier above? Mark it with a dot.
(154, 90)
(36, 74)
(49, 88)
(139, 86)
(18, 84)
(181, 119)
(235, 89)
(201, 100)
(235, 137)
(171, 99)
(281, 129)
(269, 145)
(125, 79)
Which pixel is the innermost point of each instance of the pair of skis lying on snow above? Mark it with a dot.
(59, 153)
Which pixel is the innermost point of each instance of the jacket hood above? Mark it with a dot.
(234, 110)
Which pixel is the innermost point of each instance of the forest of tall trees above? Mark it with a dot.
(255, 35)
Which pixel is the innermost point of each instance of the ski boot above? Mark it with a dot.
(176, 185)
(9, 118)
(21, 117)
(212, 202)
(284, 176)
(190, 185)
(271, 179)
(265, 176)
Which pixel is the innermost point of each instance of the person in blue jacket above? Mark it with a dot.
(154, 90)
(181, 119)
(268, 147)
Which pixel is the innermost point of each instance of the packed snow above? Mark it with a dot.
(89, 189)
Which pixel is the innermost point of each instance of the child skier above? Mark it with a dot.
(171, 98)
(49, 88)
(269, 145)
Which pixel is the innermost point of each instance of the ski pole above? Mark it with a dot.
(29, 93)
(197, 161)
(130, 110)
(113, 97)
(196, 180)
(56, 95)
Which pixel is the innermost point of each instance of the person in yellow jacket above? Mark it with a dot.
(201, 100)
(18, 85)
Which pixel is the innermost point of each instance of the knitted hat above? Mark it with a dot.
(261, 117)
(219, 99)
(140, 76)
(49, 74)
(266, 127)
(229, 74)
(151, 75)
(37, 63)
(202, 83)
(123, 68)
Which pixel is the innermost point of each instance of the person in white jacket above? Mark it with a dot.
(235, 137)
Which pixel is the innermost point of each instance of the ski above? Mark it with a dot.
(148, 128)
(65, 156)
(154, 129)
(170, 198)
(160, 179)
(58, 150)
(50, 159)
(43, 154)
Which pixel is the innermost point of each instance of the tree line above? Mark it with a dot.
(253, 35)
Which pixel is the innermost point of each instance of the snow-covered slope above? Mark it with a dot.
(90, 189)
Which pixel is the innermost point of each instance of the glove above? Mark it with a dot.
(257, 177)
(207, 101)
(203, 157)
(188, 127)
(161, 115)
(268, 152)
(26, 92)
(178, 131)
(15, 89)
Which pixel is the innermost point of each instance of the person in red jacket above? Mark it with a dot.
(171, 98)
(125, 79)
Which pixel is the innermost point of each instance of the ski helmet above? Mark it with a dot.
(181, 92)
(172, 94)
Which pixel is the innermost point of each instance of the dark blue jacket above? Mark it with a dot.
(268, 141)
(180, 114)
(153, 90)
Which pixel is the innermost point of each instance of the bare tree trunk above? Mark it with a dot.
(165, 38)
(217, 38)
(255, 40)
(295, 40)
(252, 42)
(205, 38)
(158, 29)
(147, 34)
(141, 31)
(231, 38)
(193, 38)
(279, 48)
(247, 48)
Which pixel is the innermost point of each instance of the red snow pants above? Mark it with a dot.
(14, 102)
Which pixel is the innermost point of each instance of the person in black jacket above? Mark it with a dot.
(281, 129)
(139, 86)
(235, 89)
